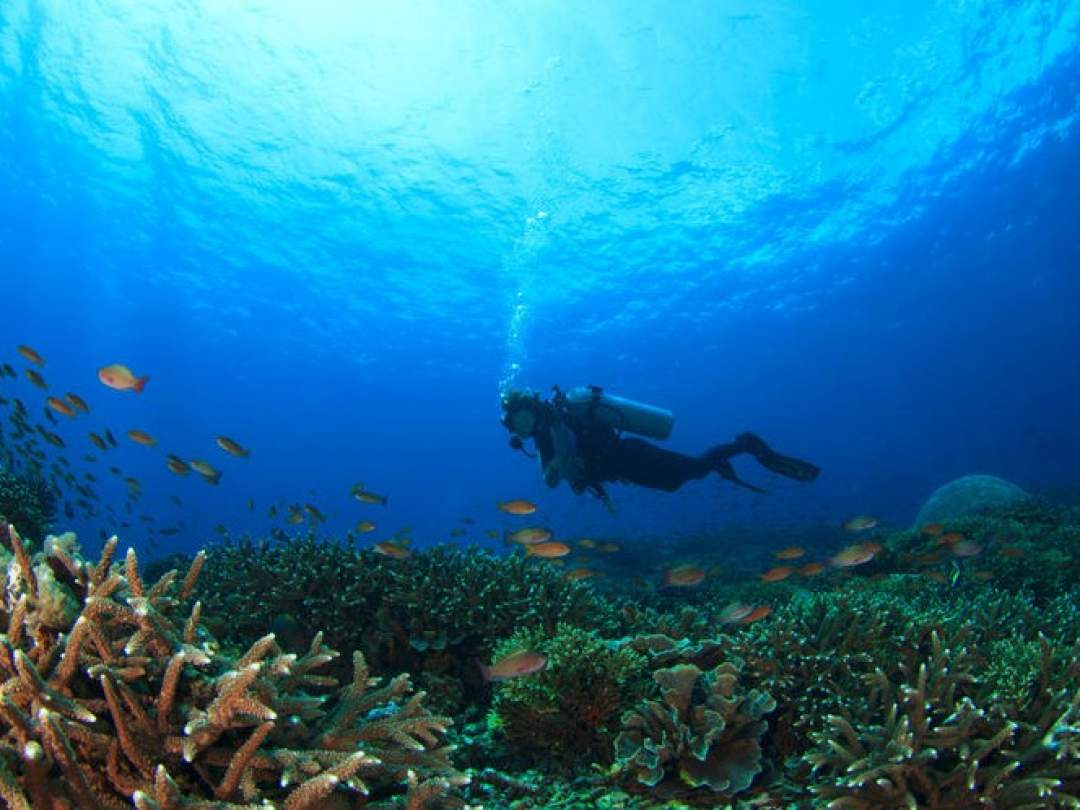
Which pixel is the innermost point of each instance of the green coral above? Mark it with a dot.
(569, 709)
(703, 735)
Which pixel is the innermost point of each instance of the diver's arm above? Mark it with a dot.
(562, 463)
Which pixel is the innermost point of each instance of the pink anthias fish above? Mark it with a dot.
(514, 665)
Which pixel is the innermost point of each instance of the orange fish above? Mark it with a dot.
(231, 447)
(60, 406)
(576, 574)
(734, 613)
(141, 437)
(1012, 551)
(365, 526)
(949, 538)
(517, 507)
(395, 550)
(31, 355)
(852, 556)
(983, 575)
(933, 529)
(36, 379)
(122, 378)
(609, 547)
(757, 614)
(528, 536)
(778, 573)
(547, 551)
(514, 665)
(77, 402)
(177, 465)
(936, 576)
(811, 569)
(585, 542)
(683, 576)
(873, 548)
(790, 553)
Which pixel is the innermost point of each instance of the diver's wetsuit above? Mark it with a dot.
(588, 453)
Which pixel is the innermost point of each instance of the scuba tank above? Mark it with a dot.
(624, 415)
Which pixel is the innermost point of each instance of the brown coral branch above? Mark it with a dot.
(191, 577)
(242, 759)
(131, 572)
(26, 570)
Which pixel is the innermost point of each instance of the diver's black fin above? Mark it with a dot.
(778, 463)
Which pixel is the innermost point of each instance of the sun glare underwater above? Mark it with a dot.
(418, 331)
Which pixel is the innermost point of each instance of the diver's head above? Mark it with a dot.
(521, 412)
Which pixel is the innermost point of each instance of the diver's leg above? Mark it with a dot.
(638, 462)
(771, 460)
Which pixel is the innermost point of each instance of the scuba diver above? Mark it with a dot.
(578, 436)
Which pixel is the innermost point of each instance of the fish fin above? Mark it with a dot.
(140, 384)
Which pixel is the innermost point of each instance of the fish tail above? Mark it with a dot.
(140, 384)
(485, 672)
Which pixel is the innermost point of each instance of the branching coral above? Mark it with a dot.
(567, 711)
(703, 735)
(431, 614)
(132, 702)
(934, 737)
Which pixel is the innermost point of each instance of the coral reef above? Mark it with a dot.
(113, 696)
(569, 710)
(702, 738)
(432, 614)
(964, 496)
(936, 735)
(27, 503)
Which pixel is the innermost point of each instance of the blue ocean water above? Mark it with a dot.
(334, 231)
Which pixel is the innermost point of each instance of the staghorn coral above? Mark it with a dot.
(568, 710)
(701, 739)
(431, 614)
(936, 736)
(133, 703)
